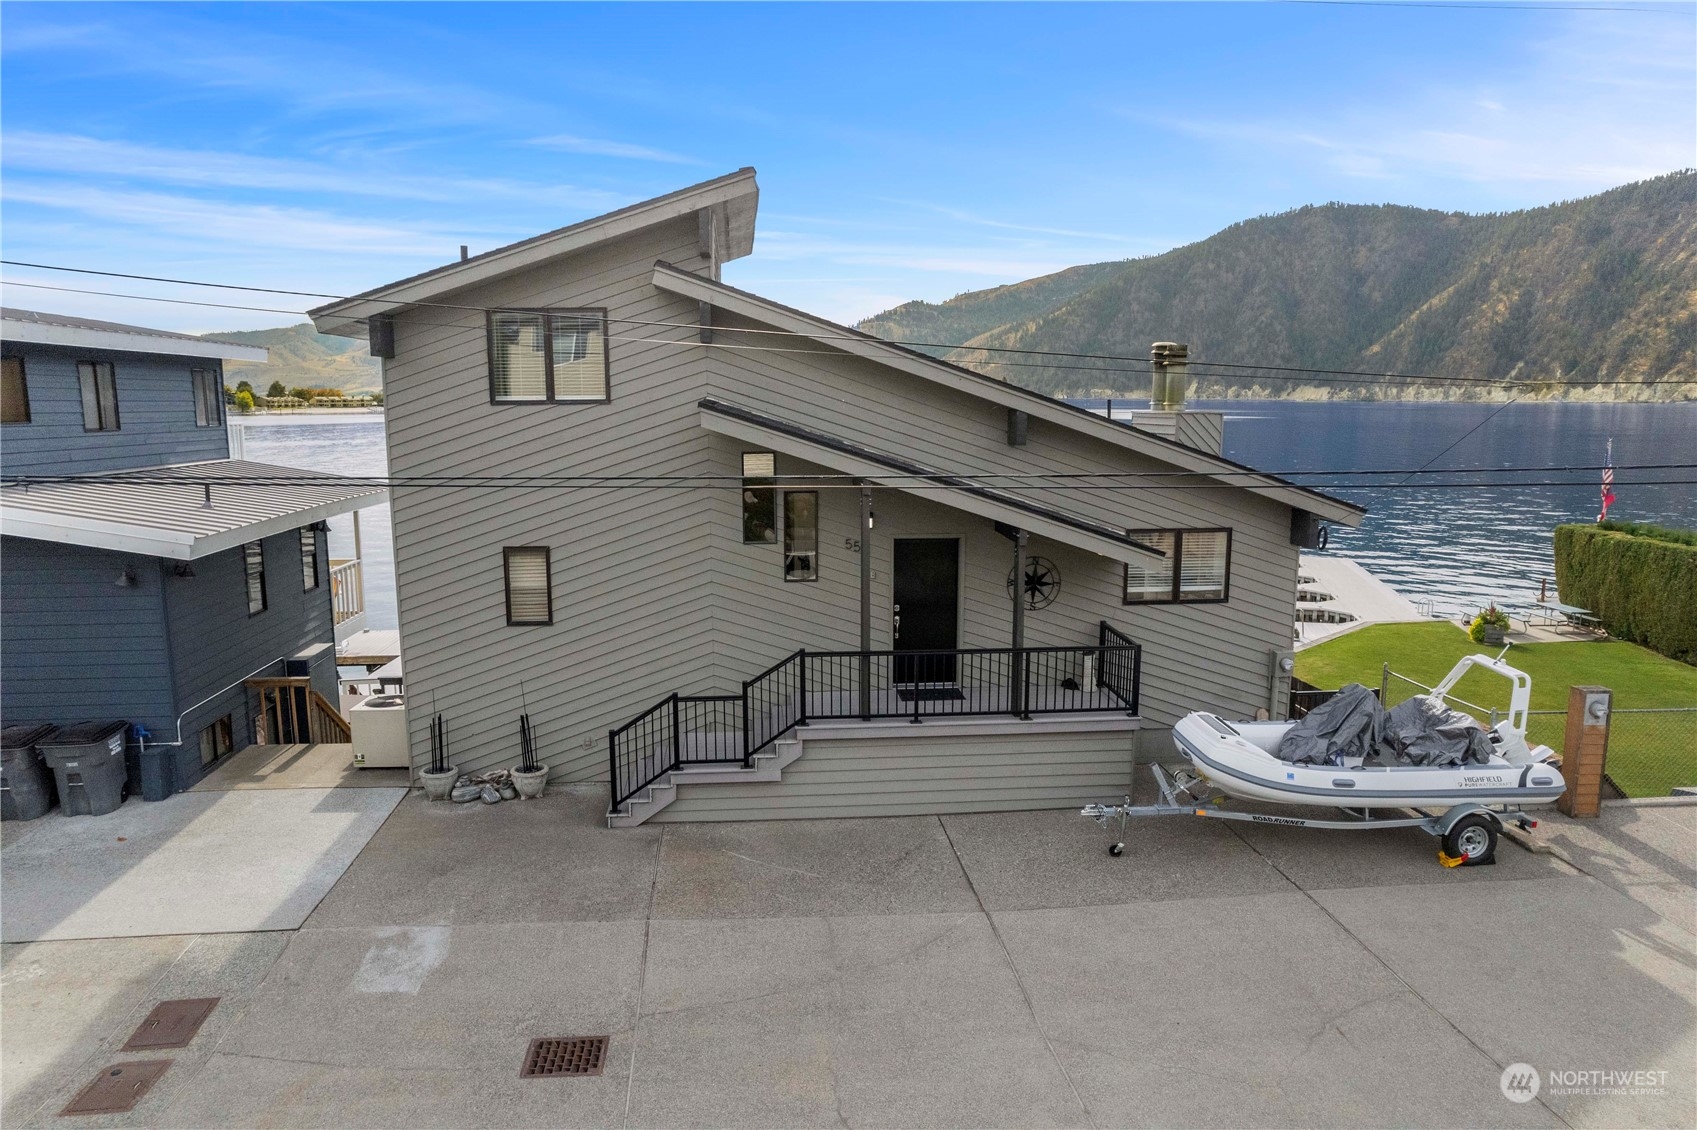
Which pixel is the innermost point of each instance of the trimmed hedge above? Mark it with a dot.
(1642, 588)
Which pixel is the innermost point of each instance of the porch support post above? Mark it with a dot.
(1016, 695)
(865, 602)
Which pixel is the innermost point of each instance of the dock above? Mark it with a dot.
(371, 647)
(1335, 595)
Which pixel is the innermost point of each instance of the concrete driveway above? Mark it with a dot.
(984, 970)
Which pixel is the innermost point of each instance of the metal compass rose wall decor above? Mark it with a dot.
(1042, 582)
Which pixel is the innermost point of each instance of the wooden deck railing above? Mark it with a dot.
(291, 711)
(347, 589)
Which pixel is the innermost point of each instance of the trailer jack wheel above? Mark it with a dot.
(1116, 850)
(1472, 840)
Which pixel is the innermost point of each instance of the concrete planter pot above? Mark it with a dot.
(437, 786)
(1494, 635)
(530, 785)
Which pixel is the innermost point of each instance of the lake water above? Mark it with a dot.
(1459, 548)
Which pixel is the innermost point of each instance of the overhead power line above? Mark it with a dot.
(1312, 373)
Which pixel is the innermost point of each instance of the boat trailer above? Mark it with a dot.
(1468, 831)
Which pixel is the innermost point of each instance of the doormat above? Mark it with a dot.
(930, 694)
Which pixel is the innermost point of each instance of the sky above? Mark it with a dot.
(904, 151)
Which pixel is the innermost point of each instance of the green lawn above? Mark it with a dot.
(1649, 754)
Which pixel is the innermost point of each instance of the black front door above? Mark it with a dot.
(925, 616)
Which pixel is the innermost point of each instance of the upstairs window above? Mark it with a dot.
(208, 397)
(253, 568)
(801, 535)
(537, 356)
(759, 499)
(14, 393)
(530, 597)
(309, 559)
(1195, 571)
(99, 386)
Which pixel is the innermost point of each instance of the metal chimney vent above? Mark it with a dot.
(1167, 382)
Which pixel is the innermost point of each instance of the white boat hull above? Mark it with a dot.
(1235, 758)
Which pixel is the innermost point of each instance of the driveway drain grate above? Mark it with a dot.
(118, 1087)
(171, 1024)
(565, 1055)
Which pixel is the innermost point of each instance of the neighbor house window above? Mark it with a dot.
(309, 559)
(801, 535)
(253, 567)
(537, 356)
(99, 385)
(208, 397)
(530, 599)
(759, 516)
(1194, 570)
(14, 394)
(216, 740)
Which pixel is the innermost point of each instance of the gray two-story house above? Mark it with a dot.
(145, 576)
(741, 562)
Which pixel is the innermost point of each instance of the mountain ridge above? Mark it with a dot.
(1564, 296)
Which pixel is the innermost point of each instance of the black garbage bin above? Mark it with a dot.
(87, 760)
(158, 772)
(26, 784)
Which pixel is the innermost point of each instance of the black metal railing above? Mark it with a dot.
(1305, 696)
(811, 686)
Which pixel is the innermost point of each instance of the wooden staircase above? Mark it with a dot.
(291, 712)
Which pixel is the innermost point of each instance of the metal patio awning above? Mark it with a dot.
(181, 511)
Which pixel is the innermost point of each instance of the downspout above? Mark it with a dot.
(213, 695)
(865, 602)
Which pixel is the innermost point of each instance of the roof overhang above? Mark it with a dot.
(81, 337)
(1037, 405)
(165, 512)
(881, 469)
(725, 206)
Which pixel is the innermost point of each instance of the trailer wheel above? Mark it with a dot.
(1473, 840)
(1116, 850)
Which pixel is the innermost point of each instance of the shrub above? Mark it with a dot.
(1642, 586)
(1489, 616)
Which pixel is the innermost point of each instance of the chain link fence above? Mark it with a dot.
(1652, 750)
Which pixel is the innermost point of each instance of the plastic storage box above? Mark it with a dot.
(87, 760)
(26, 784)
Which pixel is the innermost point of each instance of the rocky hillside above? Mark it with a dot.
(301, 357)
(1602, 289)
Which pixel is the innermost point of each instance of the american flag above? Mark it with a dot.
(1608, 482)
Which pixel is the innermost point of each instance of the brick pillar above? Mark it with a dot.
(1586, 750)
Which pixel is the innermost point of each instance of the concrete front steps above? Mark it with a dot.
(768, 765)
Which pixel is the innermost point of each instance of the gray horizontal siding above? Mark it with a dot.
(79, 646)
(654, 590)
(155, 411)
(920, 776)
(214, 642)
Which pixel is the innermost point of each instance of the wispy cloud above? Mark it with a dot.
(75, 155)
(602, 148)
(962, 216)
(230, 226)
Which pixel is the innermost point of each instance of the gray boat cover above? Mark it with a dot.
(1349, 724)
(1421, 731)
(1426, 732)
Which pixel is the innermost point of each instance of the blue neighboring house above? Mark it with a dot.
(148, 576)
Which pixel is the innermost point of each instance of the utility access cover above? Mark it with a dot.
(565, 1055)
(171, 1024)
(118, 1087)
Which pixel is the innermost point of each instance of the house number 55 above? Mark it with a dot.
(851, 544)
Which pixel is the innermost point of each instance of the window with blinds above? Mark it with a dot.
(1196, 568)
(14, 394)
(537, 356)
(801, 535)
(208, 398)
(309, 559)
(253, 569)
(530, 599)
(99, 387)
(759, 500)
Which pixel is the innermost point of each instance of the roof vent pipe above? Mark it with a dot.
(465, 253)
(1167, 381)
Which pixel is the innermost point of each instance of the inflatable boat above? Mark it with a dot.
(1351, 753)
